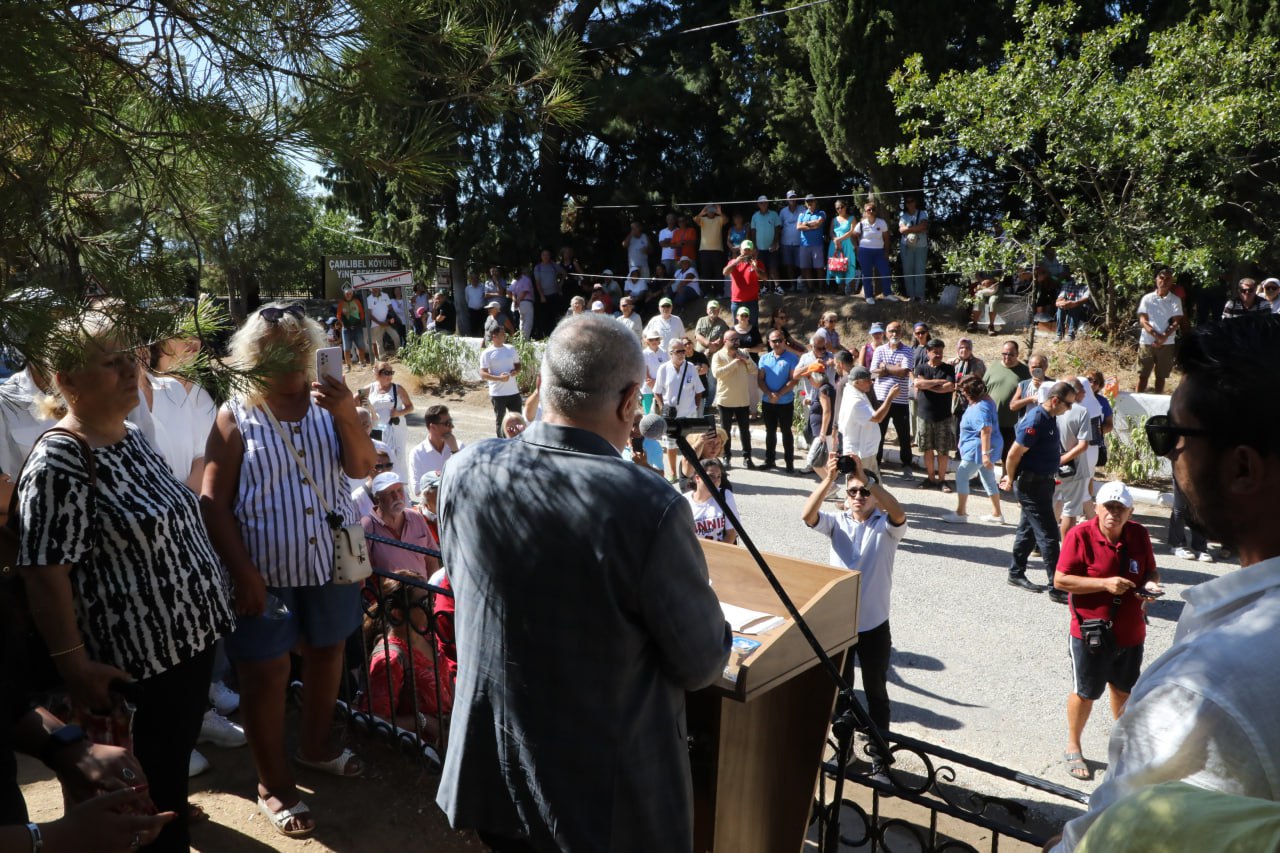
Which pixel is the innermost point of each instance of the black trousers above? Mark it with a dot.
(900, 415)
(475, 325)
(872, 655)
(502, 405)
(742, 415)
(547, 314)
(501, 844)
(777, 416)
(1038, 527)
(1178, 526)
(171, 707)
(1007, 434)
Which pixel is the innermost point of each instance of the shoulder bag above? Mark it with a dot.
(350, 553)
(1096, 633)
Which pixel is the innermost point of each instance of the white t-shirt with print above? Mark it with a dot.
(709, 521)
(871, 235)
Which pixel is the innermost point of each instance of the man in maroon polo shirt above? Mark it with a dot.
(745, 272)
(1108, 569)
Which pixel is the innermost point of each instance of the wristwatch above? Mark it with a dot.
(870, 477)
(60, 740)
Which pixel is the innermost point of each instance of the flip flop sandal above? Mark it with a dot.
(282, 817)
(334, 766)
(1076, 766)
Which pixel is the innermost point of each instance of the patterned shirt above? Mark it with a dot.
(890, 356)
(148, 590)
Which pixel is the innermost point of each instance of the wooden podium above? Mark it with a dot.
(758, 741)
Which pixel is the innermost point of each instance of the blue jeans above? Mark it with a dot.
(1069, 320)
(873, 263)
(353, 342)
(964, 473)
(1039, 525)
(913, 258)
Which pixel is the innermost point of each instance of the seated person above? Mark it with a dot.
(984, 295)
(389, 520)
(405, 685)
(362, 495)
(638, 289)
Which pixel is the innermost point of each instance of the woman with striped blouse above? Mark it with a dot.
(268, 525)
(121, 579)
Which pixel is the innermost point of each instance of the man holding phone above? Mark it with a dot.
(1109, 570)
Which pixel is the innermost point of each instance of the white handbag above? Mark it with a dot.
(350, 552)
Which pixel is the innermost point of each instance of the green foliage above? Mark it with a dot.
(1169, 159)
(1132, 460)
(529, 356)
(446, 357)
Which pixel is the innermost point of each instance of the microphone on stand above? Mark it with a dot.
(654, 426)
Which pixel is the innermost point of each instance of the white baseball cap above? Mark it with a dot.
(384, 481)
(761, 198)
(1114, 492)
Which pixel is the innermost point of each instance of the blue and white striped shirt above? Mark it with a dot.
(281, 520)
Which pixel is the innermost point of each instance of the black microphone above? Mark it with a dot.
(655, 426)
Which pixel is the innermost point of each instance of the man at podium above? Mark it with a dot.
(864, 538)
(584, 613)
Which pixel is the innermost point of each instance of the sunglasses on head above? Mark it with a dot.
(860, 492)
(1163, 435)
(273, 314)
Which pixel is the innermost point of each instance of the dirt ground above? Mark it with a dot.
(393, 806)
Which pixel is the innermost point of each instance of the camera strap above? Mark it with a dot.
(1111, 613)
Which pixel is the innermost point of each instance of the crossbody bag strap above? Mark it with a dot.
(330, 516)
(85, 451)
(683, 373)
(1111, 614)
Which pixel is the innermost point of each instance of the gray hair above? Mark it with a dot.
(589, 361)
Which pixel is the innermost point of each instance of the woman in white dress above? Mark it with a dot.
(390, 402)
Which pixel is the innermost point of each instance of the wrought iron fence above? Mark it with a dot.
(925, 775)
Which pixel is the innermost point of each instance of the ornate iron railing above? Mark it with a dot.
(924, 774)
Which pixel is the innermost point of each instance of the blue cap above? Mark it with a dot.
(876, 329)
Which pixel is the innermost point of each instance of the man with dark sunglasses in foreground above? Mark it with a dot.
(864, 538)
(1205, 711)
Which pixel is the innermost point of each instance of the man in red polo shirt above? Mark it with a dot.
(1108, 569)
(745, 272)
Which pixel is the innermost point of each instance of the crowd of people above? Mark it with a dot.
(165, 541)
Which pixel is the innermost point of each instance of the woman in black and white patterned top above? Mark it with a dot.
(122, 581)
(268, 525)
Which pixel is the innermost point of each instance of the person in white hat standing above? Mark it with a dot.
(1106, 572)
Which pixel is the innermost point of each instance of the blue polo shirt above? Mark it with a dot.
(1038, 432)
(814, 237)
(776, 370)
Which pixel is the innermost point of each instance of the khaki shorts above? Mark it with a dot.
(937, 435)
(1161, 358)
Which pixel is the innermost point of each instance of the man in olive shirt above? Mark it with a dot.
(1002, 381)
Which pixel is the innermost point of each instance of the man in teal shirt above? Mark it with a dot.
(765, 225)
(777, 389)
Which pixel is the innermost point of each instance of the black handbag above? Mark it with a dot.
(1096, 633)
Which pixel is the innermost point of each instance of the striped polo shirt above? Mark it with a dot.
(886, 354)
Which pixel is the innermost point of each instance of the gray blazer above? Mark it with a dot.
(583, 616)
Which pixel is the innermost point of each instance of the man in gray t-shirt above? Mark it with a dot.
(1074, 432)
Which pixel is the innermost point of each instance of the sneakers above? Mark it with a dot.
(891, 297)
(953, 518)
(225, 700)
(196, 764)
(1205, 557)
(1184, 553)
(777, 290)
(219, 731)
(871, 300)
(993, 519)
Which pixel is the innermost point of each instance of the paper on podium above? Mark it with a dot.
(746, 621)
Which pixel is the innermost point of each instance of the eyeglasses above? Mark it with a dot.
(860, 492)
(384, 466)
(442, 423)
(386, 372)
(273, 314)
(1246, 290)
(680, 351)
(776, 341)
(1271, 287)
(1163, 435)
(920, 332)
(893, 330)
(1008, 354)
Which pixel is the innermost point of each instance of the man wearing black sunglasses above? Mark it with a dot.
(1205, 711)
(865, 537)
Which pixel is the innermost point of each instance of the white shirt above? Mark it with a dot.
(380, 307)
(670, 328)
(426, 458)
(861, 436)
(669, 385)
(1205, 711)
(709, 521)
(634, 323)
(871, 235)
(362, 501)
(183, 420)
(1160, 311)
(868, 547)
(668, 251)
(638, 250)
(498, 360)
(688, 279)
(635, 286)
(653, 359)
(20, 422)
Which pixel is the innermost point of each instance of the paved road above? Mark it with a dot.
(978, 666)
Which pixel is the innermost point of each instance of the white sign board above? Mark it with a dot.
(389, 278)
